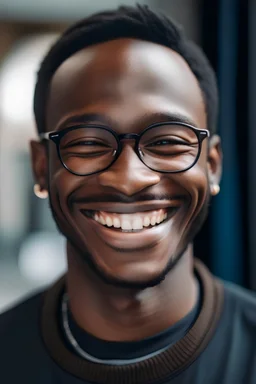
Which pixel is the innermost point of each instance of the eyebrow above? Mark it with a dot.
(173, 117)
(106, 120)
(84, 119)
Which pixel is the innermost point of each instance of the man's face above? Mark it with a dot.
(127, 85)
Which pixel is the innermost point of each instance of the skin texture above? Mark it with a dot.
(131, 285)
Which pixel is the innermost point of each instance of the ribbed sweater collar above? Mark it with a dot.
(155, 370)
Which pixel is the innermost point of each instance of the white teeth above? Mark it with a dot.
(109, 221)
(153, 220)
(158, 219)
(126, 225)
(116, 222)
(146, 221)
(130, 222)
(102, 220)
(137, 223)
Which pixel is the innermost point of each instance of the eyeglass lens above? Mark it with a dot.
(168, 148)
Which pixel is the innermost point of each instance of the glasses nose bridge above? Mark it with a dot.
(129, 136)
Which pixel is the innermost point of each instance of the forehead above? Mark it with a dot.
(125, 79)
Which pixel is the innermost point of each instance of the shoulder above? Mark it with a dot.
(19, 325)
(22, 353)
(239, 294)
(240, 302)
(26, 310)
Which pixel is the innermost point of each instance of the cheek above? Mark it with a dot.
(197, 180)
(61, 182)
(55, 164)
(195, 183)
(197, 176)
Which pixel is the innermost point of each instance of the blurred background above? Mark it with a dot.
(32, 252)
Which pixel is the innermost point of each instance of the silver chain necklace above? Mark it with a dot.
(71, 339)
(73, 342)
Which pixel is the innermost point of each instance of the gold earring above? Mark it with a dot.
(39, 192)
(215, 189)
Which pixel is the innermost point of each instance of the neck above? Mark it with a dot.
(118, 314)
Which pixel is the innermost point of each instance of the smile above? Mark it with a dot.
(130, 222)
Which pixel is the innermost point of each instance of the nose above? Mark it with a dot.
(128, 174)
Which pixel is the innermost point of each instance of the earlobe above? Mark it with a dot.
(39, 164)
(214, 163)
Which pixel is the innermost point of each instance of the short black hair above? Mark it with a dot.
(138, 22)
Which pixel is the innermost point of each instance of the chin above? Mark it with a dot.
(136, 276)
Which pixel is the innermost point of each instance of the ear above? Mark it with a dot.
(39, 161)
(214, 160)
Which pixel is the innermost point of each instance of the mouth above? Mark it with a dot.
(131, 222)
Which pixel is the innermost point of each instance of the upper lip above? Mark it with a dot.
(141, 206)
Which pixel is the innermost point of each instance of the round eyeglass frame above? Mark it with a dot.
(56, 137)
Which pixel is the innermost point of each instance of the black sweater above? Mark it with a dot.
(219, 348)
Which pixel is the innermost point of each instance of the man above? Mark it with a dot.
(126, 111)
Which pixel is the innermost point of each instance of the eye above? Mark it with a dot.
(168, 142)
(89, 143)
(169, 146)
(86, 143)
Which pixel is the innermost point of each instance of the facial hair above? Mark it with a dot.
(88, 260)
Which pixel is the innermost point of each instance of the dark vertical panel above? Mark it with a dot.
(209, 10)
(227, 236)
(242, 134)
(251, 144)
(224, 41)
(209, 30)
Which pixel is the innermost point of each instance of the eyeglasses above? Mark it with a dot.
(167, 147)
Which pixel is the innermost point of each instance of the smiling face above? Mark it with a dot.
(128, 221)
